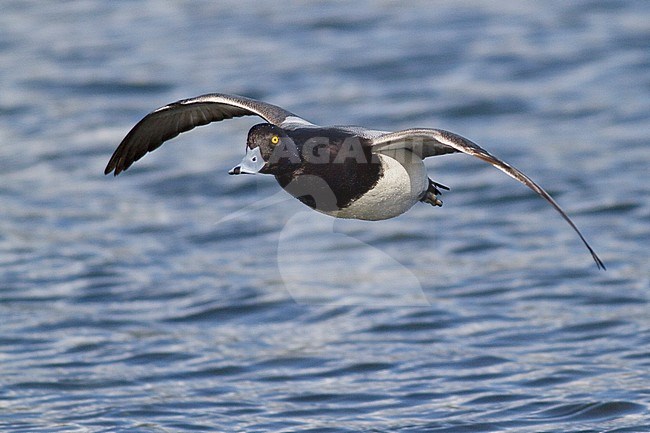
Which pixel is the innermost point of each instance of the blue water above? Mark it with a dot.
(176, 298)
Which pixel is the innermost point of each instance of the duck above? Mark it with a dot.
(342, 171)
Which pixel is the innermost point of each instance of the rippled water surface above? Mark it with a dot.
(176, 298)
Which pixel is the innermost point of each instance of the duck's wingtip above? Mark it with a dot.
(599, 263)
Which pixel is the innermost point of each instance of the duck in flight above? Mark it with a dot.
(342, 171)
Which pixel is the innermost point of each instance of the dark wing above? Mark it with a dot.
(167, 122)
(430, 142)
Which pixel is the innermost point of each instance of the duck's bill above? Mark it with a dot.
(251, 164)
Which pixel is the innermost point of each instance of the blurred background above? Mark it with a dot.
(178, 298)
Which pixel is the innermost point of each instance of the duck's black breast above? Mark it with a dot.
(337, 167)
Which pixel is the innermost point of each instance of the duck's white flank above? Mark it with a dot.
(402, 185)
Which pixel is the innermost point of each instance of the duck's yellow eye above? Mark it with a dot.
(275, 139)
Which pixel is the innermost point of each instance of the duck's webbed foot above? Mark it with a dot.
(432, 193)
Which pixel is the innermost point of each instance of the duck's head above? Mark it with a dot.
(268, 150)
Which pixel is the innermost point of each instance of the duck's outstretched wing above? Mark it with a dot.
(431, 142)
(167, 122)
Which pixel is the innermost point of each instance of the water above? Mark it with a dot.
(176, 298)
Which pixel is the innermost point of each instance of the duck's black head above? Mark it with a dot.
(269, 150)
